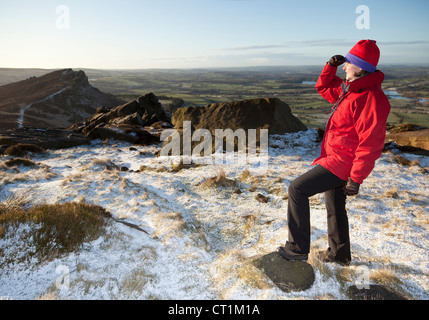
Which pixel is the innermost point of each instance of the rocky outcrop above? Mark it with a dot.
(44, 138)
(139, 121)
(264, 113)
(271, 114)
(55, 100)
(409, 135)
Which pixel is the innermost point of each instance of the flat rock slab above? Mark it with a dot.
(287, 275)
(375, 292)
(45, 138)
(416, 138)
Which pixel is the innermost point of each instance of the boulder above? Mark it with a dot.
(263, 113)
(131, 119)
(415, 138)
(130, 122)
(150, 104)
(124, 133)
(128, 108)
(404, 127)
(374, 292)
(287, 275)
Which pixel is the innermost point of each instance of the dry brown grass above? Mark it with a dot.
(167, 224)
(177, 167)
(395, 224)
(244, 175)
(54, 229)
(21, 149)
(14, 202)
(405, 162)
(104, 163)
(234, 266)
(20, 162)
(220, 180)
(392, 193)
(385, 276)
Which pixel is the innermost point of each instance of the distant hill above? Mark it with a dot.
(54, 100)
(9, 75)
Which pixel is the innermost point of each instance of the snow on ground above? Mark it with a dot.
(198, 241)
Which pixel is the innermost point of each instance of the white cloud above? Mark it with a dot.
(320, 43)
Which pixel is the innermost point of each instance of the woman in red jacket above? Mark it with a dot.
(353, 141)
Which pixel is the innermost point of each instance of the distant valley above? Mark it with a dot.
(176, 87)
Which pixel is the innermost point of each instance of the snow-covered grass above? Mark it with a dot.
(195, 241)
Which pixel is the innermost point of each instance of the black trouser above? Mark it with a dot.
(315, 181)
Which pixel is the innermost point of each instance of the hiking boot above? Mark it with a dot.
(322, 256)
(290, 257)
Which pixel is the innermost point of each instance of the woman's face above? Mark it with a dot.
(351, 71)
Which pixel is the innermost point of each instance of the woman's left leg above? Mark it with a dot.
(338, 226)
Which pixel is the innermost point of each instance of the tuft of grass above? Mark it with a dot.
(220, 180)
(405, 162)
(105, 164)
(177, 167)
(20, 162)
(324, 268)
(244, 175)
(250, 222)
(392, 193)
(53, 229)
(395, 224)
(136, 281)
(385, 276)
(21, 149)
(14, 202)
(167, 225)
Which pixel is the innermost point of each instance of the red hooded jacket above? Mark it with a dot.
(356, 130)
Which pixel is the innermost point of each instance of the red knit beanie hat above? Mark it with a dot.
(365, 55)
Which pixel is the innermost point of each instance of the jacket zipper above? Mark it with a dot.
(339, 100)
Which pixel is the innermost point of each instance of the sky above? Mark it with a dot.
(138, 34)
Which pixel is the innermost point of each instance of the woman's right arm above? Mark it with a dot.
(329, 85)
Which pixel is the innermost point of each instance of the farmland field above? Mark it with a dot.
(294, 85)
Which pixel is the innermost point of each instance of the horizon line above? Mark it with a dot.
(200, 68)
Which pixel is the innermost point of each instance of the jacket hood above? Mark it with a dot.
(371, 80)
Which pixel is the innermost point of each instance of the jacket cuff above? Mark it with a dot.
(330, 65)
(357, 179)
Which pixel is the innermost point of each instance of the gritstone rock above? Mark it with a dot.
(287, 275)
(374, 292)
(55, 100)
(409, 136)
(264, 113)
(139, 121)
(44, 138)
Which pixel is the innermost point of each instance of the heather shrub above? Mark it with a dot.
(49, 230)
